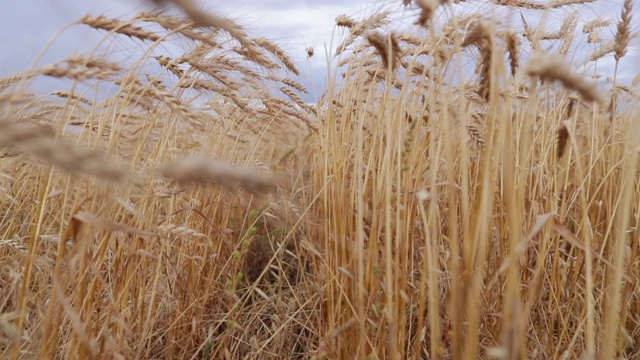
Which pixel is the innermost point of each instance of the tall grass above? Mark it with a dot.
(199, 208)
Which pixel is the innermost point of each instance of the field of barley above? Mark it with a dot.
(465, 187)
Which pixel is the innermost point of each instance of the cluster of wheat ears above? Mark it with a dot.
(192, 205)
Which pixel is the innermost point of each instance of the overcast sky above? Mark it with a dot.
(29, 25)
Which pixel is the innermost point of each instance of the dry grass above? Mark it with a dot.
(202, 209)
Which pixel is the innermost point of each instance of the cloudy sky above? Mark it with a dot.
(30, 25)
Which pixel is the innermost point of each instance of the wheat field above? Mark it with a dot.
(461, 189)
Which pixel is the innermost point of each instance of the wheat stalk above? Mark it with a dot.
(481, 35)
(476, 135)
(623, 34)
(512, 48)
(203, 171)
(8, 81)
(207, 19)
(68, 95)
(81, 68)
(521, 4)
(345, 21)
(562, 139)
(568, 30)
(117, 26)
(39, 143)
(427, 8)
(170, 64)
(595, 24)
(387, 47)
(556, 4)
(182, 26)
(605, 49)
(279, 53)
(549, 68)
